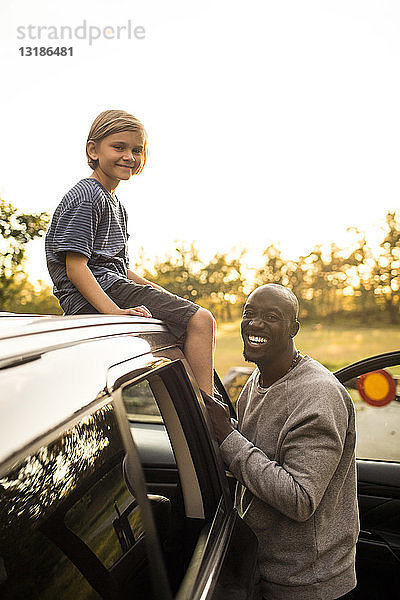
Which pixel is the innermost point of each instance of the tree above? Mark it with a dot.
(16, 230)
(25, 297)
(360, 263)
(386, 273)
(178, 274)
(222, 284)
(217, 285)
(289, 273)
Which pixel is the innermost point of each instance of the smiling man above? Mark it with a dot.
(293, 455)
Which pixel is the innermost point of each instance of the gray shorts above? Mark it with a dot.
(173, 310)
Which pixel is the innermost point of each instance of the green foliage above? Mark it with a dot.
(334, 345)
(16, 230)
(335, 282)
(24, 297)
(217, 285)
(386, 272)
(222, 283)
(330, 282)
(178, 273)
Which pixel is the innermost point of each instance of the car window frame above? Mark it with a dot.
(367, 365)
(378, 361)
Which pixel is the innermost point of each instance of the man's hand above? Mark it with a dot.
(219, 415)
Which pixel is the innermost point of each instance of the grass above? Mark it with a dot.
(334, 346)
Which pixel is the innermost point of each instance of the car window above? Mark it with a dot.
(106, 518)
(140, 404)
(70, 524)
(179, 463)
(376, 397)
(158, 434)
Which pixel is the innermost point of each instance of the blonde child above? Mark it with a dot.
(86, 247)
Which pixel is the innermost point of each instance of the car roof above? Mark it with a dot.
(52, 367)
(24, 335)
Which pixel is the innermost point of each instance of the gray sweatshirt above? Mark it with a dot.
(294, 453)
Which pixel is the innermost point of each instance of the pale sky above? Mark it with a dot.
(268, 121)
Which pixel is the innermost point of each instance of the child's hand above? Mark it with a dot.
(138, 311)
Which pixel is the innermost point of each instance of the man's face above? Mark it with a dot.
(267, 326)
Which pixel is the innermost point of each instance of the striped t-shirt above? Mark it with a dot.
(90, 221)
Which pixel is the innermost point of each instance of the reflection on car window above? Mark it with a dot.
(104, 515)
(378, 427)
(140, 404)
(67, 517)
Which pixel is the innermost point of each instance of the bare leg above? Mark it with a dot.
(199, 348)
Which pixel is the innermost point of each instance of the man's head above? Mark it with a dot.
(269, 323)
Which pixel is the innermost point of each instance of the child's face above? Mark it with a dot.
(119, 155)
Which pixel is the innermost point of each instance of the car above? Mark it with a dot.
(111, 481)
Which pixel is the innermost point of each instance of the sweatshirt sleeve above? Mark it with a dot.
(310, 448)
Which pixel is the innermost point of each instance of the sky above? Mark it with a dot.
(268, 121)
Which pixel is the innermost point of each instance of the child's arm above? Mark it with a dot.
(137, 279)
(83, 279)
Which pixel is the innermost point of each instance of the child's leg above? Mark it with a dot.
(199, 348)
(199, 327)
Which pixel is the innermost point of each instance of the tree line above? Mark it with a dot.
(331, 282)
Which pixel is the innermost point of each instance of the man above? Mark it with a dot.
(293, 456)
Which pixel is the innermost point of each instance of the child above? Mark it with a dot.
(86, 247)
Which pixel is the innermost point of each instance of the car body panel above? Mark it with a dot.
(41, 334)
(47, 406)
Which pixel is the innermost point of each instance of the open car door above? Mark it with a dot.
(203, 537)
(373, 384)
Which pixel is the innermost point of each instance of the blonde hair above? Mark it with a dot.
(115, 121)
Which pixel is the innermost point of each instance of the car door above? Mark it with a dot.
(202, 542)
(374, 385)
(75, 518)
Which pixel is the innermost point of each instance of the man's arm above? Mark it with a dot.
(311, 451)
(83, 279)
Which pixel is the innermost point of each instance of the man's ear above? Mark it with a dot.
(295, 328)
(91, 149)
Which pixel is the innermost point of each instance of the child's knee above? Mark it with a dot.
(202, 320)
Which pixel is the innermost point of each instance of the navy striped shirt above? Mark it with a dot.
(92, 222)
